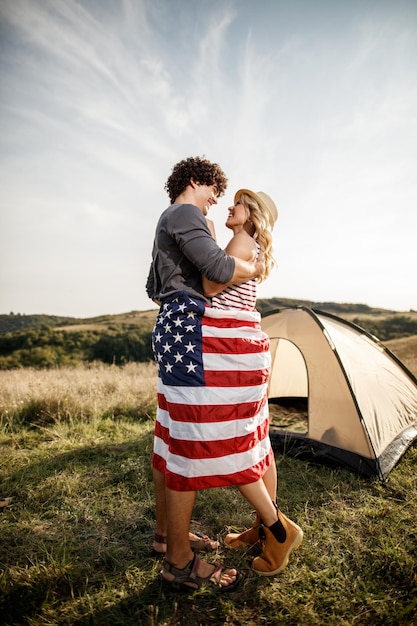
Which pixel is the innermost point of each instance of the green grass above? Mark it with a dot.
(75, 449)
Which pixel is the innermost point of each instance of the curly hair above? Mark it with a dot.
(262, 234)
(198, 169)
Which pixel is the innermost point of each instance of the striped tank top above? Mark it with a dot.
(238, 296)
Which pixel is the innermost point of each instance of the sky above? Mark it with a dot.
(311, 101)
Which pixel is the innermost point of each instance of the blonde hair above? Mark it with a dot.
(263, 232)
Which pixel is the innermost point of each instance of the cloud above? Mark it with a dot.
(313, 104)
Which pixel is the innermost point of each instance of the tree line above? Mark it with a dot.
(46, 346)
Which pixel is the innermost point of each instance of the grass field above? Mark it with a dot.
(75, 536)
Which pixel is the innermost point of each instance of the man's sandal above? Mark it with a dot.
(202, 544)
(186, 579)
(158, 539)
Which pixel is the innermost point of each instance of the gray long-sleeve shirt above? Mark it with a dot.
(183, 250)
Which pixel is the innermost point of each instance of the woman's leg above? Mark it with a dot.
(280, 535)
(259, 497)
(256, 497)
(271, 481)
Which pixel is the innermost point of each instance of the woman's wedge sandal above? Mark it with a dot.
(186, 579)
(202, 544)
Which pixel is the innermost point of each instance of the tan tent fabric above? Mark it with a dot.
(362, 402)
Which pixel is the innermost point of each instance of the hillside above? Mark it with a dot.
(12, 322)
(343, 309)
(45, 341)
(405, 349)
(18, 322)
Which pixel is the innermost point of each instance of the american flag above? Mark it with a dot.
(212, 418)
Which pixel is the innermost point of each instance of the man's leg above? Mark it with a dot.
(160, 510)
(180, 506)
(162, 524)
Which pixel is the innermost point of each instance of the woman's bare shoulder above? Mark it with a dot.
(242, 246)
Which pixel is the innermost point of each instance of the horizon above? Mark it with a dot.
(156, 308)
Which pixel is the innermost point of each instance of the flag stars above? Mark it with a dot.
(177, 343)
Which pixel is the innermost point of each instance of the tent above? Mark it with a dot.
(361, 401)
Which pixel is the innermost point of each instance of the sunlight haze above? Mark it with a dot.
(312, 102)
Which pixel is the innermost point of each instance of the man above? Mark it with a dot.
(183, 251)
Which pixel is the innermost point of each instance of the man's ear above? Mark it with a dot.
(194, 183)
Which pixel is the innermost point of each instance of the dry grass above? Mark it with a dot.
(406, 350)
(31, 396)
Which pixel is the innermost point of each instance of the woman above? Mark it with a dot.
(251, 219)
(212, 419)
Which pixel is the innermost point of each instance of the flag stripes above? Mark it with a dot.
(212, 417)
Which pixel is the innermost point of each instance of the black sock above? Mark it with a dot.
(278, 530)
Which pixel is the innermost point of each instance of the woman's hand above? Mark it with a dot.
(260, 264)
